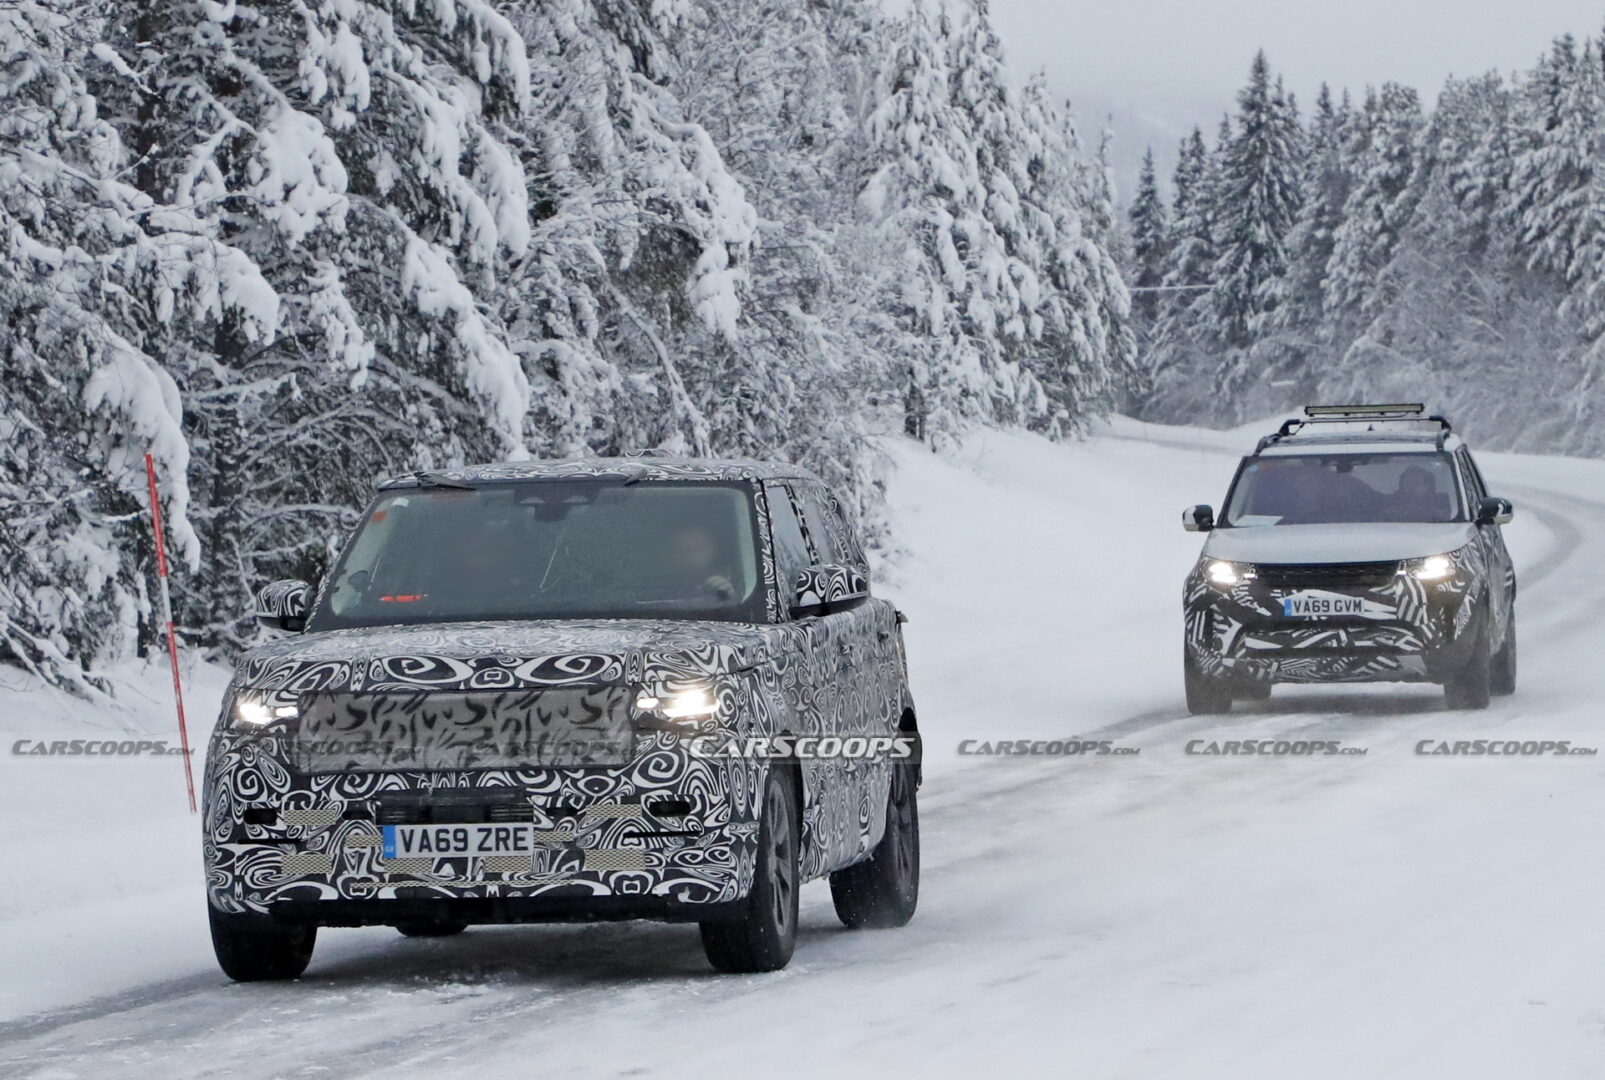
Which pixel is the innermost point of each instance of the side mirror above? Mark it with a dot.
(824, 589)
(1495, 511)
(1200, 518)
(284, 606)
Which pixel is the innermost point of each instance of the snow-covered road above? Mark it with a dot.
(1152, 915)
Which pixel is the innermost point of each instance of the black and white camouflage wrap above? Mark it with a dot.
(283, 600)
(829, 585)
(1241, 632)
(599, 833)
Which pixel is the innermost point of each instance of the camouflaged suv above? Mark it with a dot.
(606, 689)
(1359, 544)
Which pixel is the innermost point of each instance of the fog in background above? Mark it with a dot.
(1157, 67)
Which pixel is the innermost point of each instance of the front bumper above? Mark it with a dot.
(666, 833)
(1412, 632)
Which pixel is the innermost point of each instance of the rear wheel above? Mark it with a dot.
(1470, 686)
(255, 948)
(763, 936)
(883, 890)
(1503, 681)
(1205, 696)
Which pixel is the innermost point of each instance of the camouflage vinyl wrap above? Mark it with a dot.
(1241, 632)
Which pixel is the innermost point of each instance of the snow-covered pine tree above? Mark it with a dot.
(1149, 243)
(353, 151)
(1257, 200)
(640, 238)
(99, 286)
(793, 382)
(1003, 254)
(1170, 360)
(924, 194)
(1559, 123)
(1290, 346)
(1382, 154)
(1085, 353)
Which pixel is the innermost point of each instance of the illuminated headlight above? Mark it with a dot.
(694, 703)
(1431, 568)
(253, 714)
(1228, 575)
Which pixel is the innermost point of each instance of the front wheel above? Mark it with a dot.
(255, 948)
(1503, 682)
(1470, 685)
(1205, 696)
(883, 890)
(763, 936)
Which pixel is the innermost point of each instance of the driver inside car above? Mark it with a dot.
(695, 555)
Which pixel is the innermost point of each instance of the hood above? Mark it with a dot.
(1369, 542)
(502, 655)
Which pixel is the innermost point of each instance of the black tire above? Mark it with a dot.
(431, 929)
(763, 936)
(1252, 691)
(255, 948)
(1502, 681)
(1470, 686)
(882, 891)
(1205, 696)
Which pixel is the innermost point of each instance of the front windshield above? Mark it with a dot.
(1329, 489)
(550, 549)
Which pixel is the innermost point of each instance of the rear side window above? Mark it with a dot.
(791, 549)
(832, 541)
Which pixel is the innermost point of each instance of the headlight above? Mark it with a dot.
(693, 703)
(1228, 575)
(252, 713)
(1431, 568)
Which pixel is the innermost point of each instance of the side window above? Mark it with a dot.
(1474, 481)
(791, 549)
(821, 536)
(852, 552)
(1468, 481)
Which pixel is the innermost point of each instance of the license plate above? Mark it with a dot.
(449, 841)
(1322, 605)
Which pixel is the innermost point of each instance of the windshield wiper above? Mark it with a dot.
(427, 479)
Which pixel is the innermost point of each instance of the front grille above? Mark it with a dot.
(532, 728)
(1367, 575)
(453, 806)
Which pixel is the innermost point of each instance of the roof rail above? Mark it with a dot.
(1351, 414)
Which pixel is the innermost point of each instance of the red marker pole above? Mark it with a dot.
(167, 618)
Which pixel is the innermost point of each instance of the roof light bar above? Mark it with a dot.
(1364, 410)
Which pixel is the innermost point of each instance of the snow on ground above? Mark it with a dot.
(1143, 916)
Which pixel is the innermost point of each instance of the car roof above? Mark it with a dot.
(659, 467)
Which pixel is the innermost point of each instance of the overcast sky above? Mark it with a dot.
(1162, 65)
